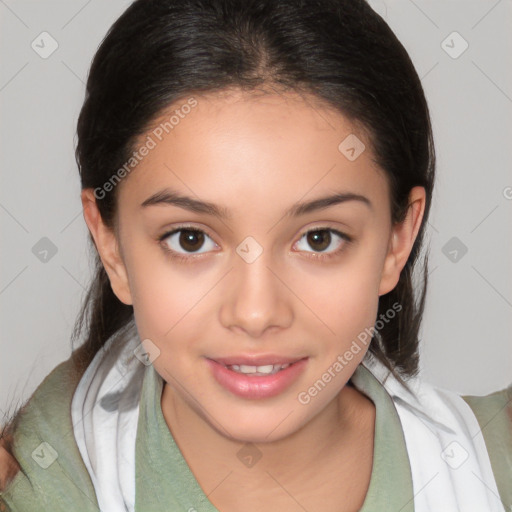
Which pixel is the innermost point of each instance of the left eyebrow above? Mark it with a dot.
(173, 198)
(325, 202)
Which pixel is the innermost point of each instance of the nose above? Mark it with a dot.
(256, 298)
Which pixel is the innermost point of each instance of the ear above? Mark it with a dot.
(401, 241)
(107, 246)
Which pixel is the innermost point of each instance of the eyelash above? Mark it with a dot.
(189, 259)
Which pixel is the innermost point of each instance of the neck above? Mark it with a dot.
(335, 431)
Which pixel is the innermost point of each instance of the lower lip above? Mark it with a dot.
(254, 387)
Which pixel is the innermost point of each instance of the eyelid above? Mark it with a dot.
(192, 227)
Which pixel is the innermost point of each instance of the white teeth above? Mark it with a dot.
(268, 369)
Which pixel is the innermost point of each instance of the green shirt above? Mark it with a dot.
(164, 481)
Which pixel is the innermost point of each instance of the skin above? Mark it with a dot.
(9, 466)
(256, 155)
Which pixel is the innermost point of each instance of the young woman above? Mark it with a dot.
(256, 178)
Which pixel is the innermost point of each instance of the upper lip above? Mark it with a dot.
(256, 359)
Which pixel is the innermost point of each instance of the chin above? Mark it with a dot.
(262, 426)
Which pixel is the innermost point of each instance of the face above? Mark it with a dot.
(252, 279)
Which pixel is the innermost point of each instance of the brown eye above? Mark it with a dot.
(191, 240)
(319, 240)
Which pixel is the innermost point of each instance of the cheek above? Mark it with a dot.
(345, 296)
(168, 298)
(166, 312)
(161, 305)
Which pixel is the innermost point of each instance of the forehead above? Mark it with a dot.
(273, 148)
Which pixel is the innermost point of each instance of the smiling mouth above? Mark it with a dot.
(269, 377)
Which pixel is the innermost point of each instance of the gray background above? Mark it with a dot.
(466, 342)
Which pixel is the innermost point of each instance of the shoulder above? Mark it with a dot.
(44, 418)
(494, 415)
(48, 401)
(58, 382)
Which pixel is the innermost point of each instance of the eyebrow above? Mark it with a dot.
(173, 198)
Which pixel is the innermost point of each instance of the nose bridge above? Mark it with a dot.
(255, 298)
